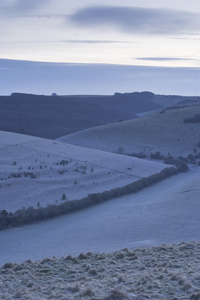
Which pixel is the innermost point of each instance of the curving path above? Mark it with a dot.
(167, 212)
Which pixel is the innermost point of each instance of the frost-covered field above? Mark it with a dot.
(163, 272)
(39, 172)
(167, 212)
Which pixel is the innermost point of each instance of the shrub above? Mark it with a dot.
(61, 172)
(191, 158)
(169, 160)
(139, 155)
(157, 155)
(194, 119)
(16, 175)
(182, 166)
(4, 212)
(63, 162)
(64, 197)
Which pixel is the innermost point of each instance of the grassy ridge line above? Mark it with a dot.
(32, 215)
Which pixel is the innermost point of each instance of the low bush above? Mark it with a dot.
(64, 197)
(156, 155)
(169, 160)
(194, 119)
(182, 166)
(139, 155)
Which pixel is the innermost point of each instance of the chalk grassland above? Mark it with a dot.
(164, 131)
(39, 172)
(162, 272)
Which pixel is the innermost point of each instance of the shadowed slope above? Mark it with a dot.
(52, 117)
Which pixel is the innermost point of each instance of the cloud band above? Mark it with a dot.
(138, 20)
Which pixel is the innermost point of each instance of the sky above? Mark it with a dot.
(101, 34)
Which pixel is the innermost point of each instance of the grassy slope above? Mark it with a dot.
(38, 172)
(165, 132)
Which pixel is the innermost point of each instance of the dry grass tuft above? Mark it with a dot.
(117, 295)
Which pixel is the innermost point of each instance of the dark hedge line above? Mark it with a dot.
(31, 215)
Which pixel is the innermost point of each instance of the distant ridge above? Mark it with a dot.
(54, 116)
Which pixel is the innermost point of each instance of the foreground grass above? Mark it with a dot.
(162, 272)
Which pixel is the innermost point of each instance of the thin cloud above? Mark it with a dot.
(138, 20)
(163, 58)
(21, 6)
(29, 4)
(96, 42)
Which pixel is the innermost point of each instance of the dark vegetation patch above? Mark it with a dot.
(194, 119)
(23, 174)
(181, 162)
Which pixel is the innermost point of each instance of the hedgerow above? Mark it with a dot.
(31, 215)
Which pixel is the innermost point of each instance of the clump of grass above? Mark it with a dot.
(83, 256)
(119, 255)
(16, 175)
(7, 266)
(117, 295)
(74, 289)
(195, 296)
(87, 292)
(93, 272)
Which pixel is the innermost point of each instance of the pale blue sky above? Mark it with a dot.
(147, 33)
(156, 32)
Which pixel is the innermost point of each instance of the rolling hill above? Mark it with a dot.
(166, 131)
(37, 172)
(55, 116)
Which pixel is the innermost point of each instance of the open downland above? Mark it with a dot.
(164, 131)
(39, 172)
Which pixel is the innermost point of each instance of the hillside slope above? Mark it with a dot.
(54, 116)
(164, 131)
(39, 172)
